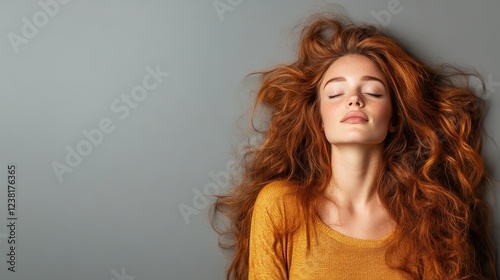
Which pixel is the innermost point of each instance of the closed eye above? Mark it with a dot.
(375, 94)
(334, 96)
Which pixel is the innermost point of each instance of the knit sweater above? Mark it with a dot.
(331, 255)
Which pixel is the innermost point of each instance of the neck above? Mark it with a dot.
(354, 169)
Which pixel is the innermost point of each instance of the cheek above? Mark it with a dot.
(322, 114)
(327, 114)
(384, 112)
(329, 120)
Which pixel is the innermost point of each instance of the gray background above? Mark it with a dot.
(117, 215)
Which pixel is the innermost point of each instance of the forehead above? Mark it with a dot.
(353, 67)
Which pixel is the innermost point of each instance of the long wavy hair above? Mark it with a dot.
(433, 178)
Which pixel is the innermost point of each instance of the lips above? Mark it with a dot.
(355, 117)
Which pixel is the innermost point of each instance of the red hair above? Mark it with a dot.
(433, 177)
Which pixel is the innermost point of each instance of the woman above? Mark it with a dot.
(370, 168)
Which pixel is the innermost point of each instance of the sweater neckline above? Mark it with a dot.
(348, 240)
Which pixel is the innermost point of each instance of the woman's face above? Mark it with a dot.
(355, 103)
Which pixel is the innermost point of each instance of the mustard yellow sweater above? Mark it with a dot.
(332, 255)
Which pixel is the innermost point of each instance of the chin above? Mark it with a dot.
(356, 140)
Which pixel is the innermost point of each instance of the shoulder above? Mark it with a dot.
(276, 191)
(276, 199)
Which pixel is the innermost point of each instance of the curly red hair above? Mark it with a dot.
(433, 177)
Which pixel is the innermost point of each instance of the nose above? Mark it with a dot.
(354, 100)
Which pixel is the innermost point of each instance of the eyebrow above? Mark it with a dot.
(343, 79)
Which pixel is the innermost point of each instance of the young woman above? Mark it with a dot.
(370, 168)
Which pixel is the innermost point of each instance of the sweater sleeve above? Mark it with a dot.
(267, 259)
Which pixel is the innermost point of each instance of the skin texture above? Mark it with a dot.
(356, 110)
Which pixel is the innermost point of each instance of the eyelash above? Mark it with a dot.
(333, 96)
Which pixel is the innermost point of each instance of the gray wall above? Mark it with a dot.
(120, 115)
